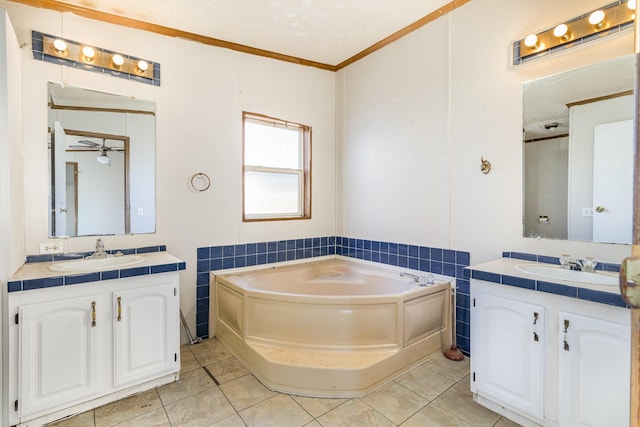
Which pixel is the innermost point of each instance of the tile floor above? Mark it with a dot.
(435, 393)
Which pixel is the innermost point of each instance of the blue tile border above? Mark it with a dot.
(73, 279)
(550, 287)
(434, 260)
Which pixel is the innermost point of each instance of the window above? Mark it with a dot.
(276, 169)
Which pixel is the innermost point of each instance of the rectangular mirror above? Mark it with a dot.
(101, 163)
(578, 153)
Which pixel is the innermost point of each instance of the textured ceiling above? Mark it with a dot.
(324, 31)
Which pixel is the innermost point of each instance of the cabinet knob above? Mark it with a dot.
(119, 309)
(535, 337)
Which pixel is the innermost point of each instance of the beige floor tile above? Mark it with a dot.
(505, 422)
(313, 424)
(128, 408)
(426, 382)
(209, 351)
(200, 410)
(458, 400)
(189, 384)
(245, 391)
(395, 402)
(317, 406)
(434, 416)
(354, 413)
(188, 361)
(232, 421)
(449, 368)
(85, 419)
(278, 411)
(157, 418)
(225, 370)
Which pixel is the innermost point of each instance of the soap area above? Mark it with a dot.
(89, 331)
(550, 344)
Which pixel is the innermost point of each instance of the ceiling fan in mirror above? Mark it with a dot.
(102, 158)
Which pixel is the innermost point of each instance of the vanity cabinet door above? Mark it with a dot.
(594, 372)
(507, 338)
(146, 341)
(58, 362)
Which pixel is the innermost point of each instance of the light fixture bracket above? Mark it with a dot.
(46, 47)
(617, 17)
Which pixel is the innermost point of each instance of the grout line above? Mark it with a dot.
(211, 375)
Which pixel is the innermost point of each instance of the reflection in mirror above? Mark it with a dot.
(578, 153)
(101, 163)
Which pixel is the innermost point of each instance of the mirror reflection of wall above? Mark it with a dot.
(573, 128)
(102, 163)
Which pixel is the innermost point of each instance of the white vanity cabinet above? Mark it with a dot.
(508, 352)
(545, 382)
(80, 346)
(144, 332)
(58, 357)
(594, 371)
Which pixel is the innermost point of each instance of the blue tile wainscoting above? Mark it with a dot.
(547, 286)
(433, 260)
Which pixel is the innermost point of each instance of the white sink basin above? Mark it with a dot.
(556, 272)
(90, 264)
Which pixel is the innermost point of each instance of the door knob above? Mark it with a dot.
(599, 208)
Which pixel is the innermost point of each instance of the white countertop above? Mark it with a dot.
(506, 267)
(39, 270)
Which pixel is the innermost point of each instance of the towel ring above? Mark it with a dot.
(200, 182)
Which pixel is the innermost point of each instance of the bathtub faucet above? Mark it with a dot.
(413, 276)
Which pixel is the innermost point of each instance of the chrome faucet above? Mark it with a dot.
(100, 252)
(413, 276)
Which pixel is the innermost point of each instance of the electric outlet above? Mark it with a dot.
(51, 248)
(140, 211)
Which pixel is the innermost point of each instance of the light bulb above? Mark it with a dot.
(631, 4)
(89, 53)
(103, 158)
(59, 45)
(143, 66)
(596, 18)
(117, 60)
(561, 31)
(531, 40)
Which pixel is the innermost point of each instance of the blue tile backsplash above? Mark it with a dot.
(433, 260)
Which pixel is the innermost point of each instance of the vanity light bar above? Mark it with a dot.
(80, 55)
(594, 25)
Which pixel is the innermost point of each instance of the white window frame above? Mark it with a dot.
(303, 174)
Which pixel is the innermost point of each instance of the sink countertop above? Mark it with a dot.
(34, 275)
(502, 271)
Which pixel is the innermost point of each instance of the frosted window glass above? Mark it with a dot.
(271, 193)
(271, 146)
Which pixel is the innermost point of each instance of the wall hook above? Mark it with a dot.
(485, 166)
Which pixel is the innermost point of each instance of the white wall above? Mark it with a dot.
(419, 115)
(11, 199)
(198, 127)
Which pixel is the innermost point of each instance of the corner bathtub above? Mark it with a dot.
(330, 328)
